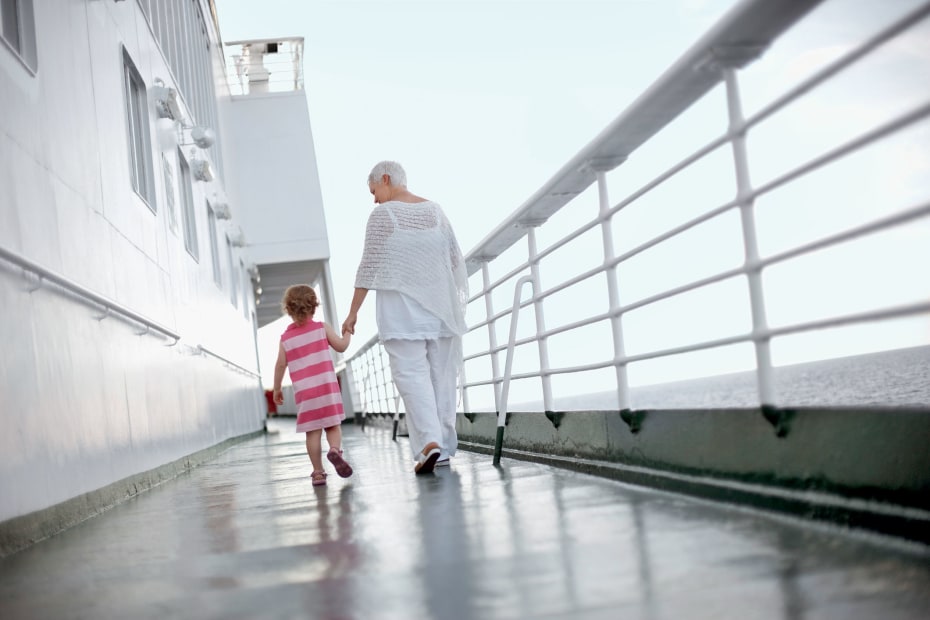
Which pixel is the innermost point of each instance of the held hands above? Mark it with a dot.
(348, 326)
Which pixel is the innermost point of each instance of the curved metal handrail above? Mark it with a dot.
(85, 294)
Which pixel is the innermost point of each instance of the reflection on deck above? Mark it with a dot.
(246, 536)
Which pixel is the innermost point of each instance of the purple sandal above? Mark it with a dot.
(342, 468)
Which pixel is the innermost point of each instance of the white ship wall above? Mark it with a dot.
(88, 402)
(270, 143)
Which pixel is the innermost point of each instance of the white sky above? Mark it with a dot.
(482, 102)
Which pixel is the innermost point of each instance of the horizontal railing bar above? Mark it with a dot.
(888, 222)
(664, 176)
(500, 315)
(855, 144)
(900, 218)
(687, 161)
(709, 215)
(616, 261)
(502, 280)
(860, 317)
(832, 69)
(226, 361)
(503, 347)
(852, 233)
(863, 140)
(684, 288)
(875, 134)
(848, 319)
(85, 293)
(685, 82)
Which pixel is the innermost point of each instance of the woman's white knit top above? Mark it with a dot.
(411, 248)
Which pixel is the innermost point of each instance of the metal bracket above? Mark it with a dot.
(555, 417)
(633, 418)
(38, 281)
(531, 223)
(779, 418)
(723, 57)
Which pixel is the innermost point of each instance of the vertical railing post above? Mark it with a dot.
(383, 401)
(492, 334)
(746, 202)
(613, 294)
(540, 320)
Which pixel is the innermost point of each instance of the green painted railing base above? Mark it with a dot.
(865, 468)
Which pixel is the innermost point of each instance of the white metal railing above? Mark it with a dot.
(87, 296)
(109, 308)
(228, 363)
(265, 65)
(714, 61)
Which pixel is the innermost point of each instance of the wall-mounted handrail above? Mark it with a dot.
(88, 296)
(231, 364)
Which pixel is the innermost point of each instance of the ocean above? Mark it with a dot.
(898, 378)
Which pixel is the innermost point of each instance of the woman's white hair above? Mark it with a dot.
(390, 168)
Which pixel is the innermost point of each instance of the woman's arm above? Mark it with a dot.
(339, 343)
(348, 326)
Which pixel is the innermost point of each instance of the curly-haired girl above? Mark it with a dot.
(304, 353)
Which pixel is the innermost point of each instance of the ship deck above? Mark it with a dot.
(245, 535)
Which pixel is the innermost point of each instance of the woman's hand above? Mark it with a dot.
(278, 397)
(348, 326)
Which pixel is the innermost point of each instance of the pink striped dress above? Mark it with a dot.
(310, 365)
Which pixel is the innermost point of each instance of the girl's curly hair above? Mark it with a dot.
(300, 302)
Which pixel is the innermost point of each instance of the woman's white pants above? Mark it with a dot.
(424, 372)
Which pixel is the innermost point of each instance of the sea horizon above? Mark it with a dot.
(892, 378)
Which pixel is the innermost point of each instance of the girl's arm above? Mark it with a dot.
(340, 343)
(279, 367)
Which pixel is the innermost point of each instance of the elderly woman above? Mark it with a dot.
(412, 259)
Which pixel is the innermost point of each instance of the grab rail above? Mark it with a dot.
(233, 365)
(508, 365)
(86, 295)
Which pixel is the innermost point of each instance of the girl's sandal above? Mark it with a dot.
(318, 478)
(342, 468)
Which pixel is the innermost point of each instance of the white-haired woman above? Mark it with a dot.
(413, 260)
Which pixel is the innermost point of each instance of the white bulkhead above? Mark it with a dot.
(136, 221)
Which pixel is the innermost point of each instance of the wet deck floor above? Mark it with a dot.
(247, 536)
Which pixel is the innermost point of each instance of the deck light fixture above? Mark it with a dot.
(166, 101)
(202, 170)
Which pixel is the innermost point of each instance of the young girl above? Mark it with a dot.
(304, 352)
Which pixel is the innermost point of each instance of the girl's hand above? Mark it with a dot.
(278, 397)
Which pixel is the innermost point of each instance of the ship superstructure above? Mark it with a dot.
(150, 207)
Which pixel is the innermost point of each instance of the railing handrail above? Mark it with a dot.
(85, 294)
(234, 365)
(689, 79)
(715, 60)
(508, 364)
